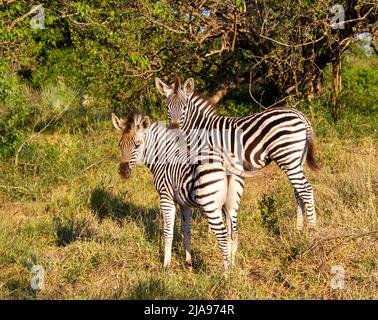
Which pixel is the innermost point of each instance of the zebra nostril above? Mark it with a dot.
(175, 124)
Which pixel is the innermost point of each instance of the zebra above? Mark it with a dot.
(176, 178)
(279, 134)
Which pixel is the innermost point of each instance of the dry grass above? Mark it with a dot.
(65, 208)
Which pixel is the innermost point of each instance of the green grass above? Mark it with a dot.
(65, 207)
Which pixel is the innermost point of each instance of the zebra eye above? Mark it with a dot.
(138, 143)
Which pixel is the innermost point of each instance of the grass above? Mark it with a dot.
(64, 207)
(98, 237)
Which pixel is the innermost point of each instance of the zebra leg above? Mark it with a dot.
(210, 193)
(307, 196)
(231, 206)
(303, 192)
(185, 233)
(168, 211)
(219, 229)
(300, 210)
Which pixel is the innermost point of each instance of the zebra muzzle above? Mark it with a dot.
(124, 170)
(174, 124)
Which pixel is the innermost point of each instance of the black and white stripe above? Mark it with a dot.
(177, 180)
(283, 135)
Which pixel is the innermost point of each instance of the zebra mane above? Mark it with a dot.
(209, 105)
(135, 116)
(129, 123)
(176, 85)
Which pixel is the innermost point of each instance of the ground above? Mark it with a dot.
(64, 207)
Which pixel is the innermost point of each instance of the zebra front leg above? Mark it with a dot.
(168, 211)
(185, 233)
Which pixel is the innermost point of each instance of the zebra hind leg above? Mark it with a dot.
(305, 197)
(233, 232)
(300, 210)
(210, 195)
(218, 227)
(308, 199)
(231, 206)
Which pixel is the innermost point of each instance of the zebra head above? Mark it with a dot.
(132, 143)
(177, 98)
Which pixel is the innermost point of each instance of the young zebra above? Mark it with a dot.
(176, 179)
(250, 143)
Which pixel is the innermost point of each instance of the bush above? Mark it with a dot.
(360, 89)
(24, 110)
(14, 113)
(57, 103)
(268, 212)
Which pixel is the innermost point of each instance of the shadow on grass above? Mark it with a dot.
(71, 228)
(105, 205)
(150, 289)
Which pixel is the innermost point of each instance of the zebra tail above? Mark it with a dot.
(232, 169)
(310, 158)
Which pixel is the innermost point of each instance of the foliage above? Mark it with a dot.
(267, 206)
(114, 49)
(14, 113)
(26, 111)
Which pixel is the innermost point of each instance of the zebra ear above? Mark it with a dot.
(118, 123)
(162, 87)
(146, 122)
(189, 86)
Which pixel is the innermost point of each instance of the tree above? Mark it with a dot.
(277, 49)
(280, 45)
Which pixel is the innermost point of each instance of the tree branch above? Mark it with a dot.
(226, 88)
(18, 20)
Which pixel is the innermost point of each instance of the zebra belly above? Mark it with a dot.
(183, 185)
(277, 145)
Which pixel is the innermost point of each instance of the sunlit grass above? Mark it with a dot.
(65, 208)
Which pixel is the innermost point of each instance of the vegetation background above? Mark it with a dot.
(63, 205)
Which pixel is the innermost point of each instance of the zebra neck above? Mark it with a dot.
(161, 146)
(199, 115)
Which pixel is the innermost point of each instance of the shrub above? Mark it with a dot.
(58, 102)
(14, 113)
(24, 110)
(267, 206)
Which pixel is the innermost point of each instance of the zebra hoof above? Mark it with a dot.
(312, 226)
(189, 264)
(227, 267)
(167, 267)
(227, 274)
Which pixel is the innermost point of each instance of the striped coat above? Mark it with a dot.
(177, 179)
(247, 144)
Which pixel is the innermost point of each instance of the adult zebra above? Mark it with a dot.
(176, 179)
(283, 135)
